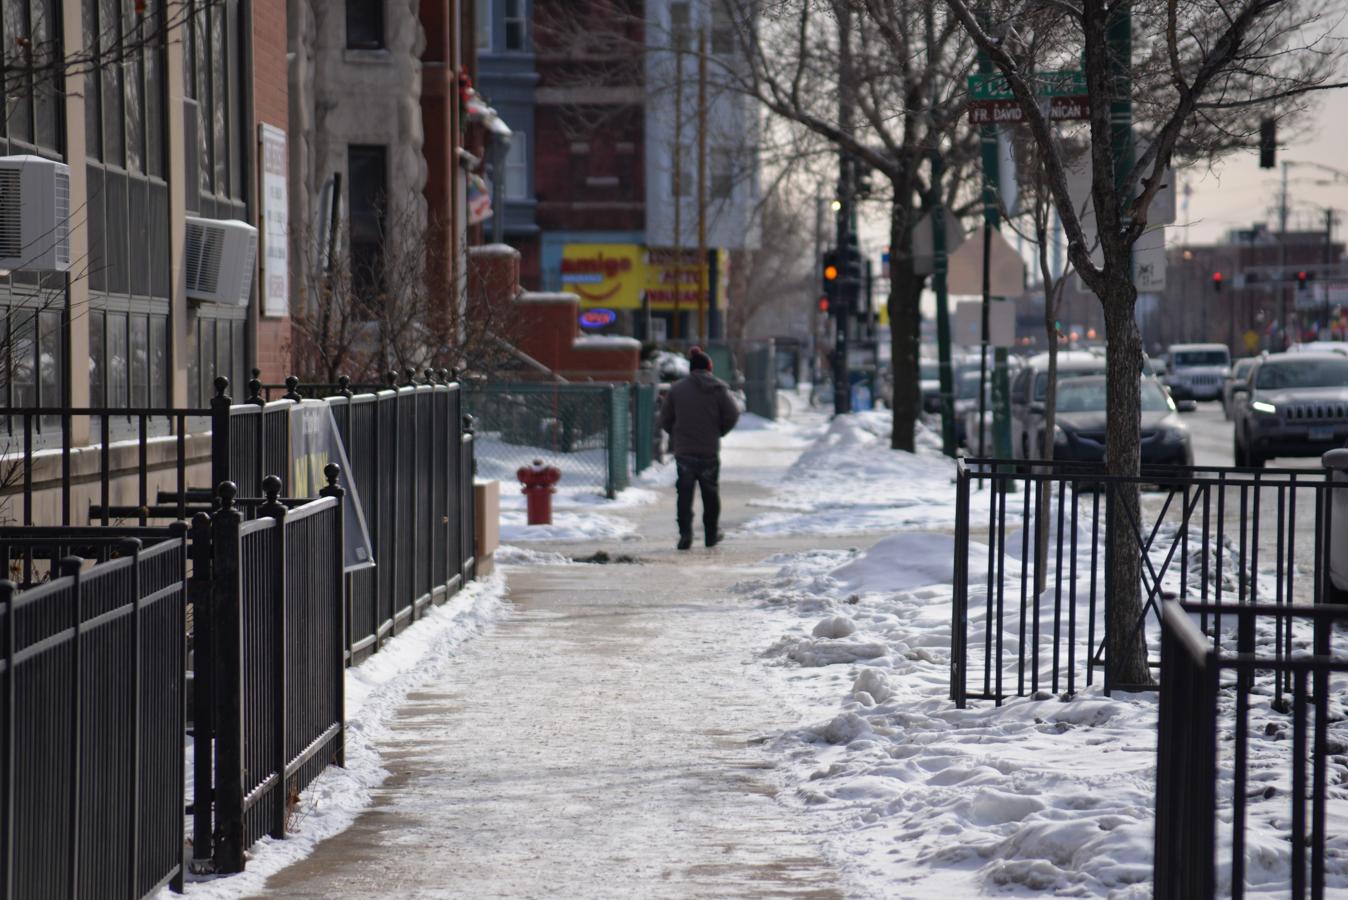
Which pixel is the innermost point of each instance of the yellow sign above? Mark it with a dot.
(1251, 342)
(670, 277)
(605, 275)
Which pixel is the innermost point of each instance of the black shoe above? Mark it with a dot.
(714, 539)
(686, 542)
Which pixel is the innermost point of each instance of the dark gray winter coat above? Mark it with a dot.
(697, 412)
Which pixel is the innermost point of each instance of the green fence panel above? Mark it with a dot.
(566, 425)
(620, 437)
(760, 380)
(643, 427)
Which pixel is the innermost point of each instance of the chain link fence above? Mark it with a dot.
(583, 429)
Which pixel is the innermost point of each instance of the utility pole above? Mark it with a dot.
(1329, 253)
(848, 281)
(1282, 255)
(1001, 381)
(676, 329)
(702, 280)
(938, 286)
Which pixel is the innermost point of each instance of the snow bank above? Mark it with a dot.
(374, 690)
(848, 480)
(566, 526)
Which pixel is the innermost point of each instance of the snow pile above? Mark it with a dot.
(566, 526)
(510, 555)
(1041, 795)
(374, 690)
(849, 481)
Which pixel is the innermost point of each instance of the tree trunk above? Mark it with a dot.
(905, 332)
(1126, 651)
(1046, 450)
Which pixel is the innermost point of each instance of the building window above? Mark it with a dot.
(722, 29)
(722, 182)
(482, 23)
(365, 24)
(367, 193)
(517, 167)
(516, 25)
(679, 19)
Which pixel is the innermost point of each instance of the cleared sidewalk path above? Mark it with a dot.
(602, 741)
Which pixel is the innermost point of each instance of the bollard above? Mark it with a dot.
(537, 486)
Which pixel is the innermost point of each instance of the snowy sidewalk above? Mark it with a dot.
(606, 739)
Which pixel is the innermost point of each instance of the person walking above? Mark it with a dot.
(697, 412)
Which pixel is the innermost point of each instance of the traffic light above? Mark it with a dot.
(1301, 280)
(1217, 282)
(823, 305)
(1268, 144)
(829, 269)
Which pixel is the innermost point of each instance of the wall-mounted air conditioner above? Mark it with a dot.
(221, 256)
(34, 214)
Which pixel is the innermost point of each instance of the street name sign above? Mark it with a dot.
(1062, 95)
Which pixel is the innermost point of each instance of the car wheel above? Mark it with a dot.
(1240, 455)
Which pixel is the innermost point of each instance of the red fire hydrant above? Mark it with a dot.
(537, 486)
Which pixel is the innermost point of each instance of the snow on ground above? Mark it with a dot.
(374, 690)
(920, 799)
(847, 480)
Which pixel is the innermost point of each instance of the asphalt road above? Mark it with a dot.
(1214, 444)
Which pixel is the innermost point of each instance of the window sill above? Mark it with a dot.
(367, 57)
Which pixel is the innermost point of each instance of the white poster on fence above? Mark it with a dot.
(275, 222)
(315, 442)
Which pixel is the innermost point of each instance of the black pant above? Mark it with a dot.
(704, 471)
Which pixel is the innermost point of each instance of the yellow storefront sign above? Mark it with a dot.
(671, 277)
(613, 276)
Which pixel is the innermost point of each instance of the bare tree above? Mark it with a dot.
(905, 79)
(1199, 74)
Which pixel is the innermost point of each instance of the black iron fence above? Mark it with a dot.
(1031, 582)
(92, 731)
(1229, 698)
(270, 649)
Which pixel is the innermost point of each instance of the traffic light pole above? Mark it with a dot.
(1001, 378)
(848, 280)
(938, 285)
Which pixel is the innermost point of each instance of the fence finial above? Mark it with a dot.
(446, 376)
(227, 490)
(293, 389)
(271, 487)
(129, 546)
(70, 565)
(391, 379)
(428, 376)
(332, 472)
(344, 385)
(469, 423)
(411, 375)
(255, 389)
(221, 386)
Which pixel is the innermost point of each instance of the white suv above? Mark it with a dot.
(1197, 371)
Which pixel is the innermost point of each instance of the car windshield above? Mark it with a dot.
(1201, 358)
(1303, 374)
(1088, 395)
(968, 385)
(1041, 380)
(929, 370)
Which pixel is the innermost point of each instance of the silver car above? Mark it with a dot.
(1294, 404)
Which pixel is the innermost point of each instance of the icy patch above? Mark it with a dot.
(374, 690)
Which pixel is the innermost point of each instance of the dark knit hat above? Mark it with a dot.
(698, 360)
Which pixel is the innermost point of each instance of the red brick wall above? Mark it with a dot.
(271, 104)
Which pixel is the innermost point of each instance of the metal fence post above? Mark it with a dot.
(220, 473)
(130, 547)
(199, 588)
(273, 508)
(7, 592)
(333, 489)
(227, 629)
(959, 626)
(70, 568)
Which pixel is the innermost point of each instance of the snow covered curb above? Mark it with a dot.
(374, 690)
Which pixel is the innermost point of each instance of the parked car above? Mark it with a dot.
(1030, 387)
(1082, 416)
(929, 379)
(1237, 374)
(1197, 371)
(1294, 404)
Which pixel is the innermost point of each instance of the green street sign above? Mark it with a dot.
(993, 86)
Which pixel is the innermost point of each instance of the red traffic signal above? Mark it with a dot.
(1216, 281)
(823, 304)
(1301, 279)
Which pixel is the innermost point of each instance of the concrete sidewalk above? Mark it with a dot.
(603, 741)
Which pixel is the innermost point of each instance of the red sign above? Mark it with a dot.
(597, 318)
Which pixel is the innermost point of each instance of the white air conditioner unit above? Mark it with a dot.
(220, 257)
(34, 214)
